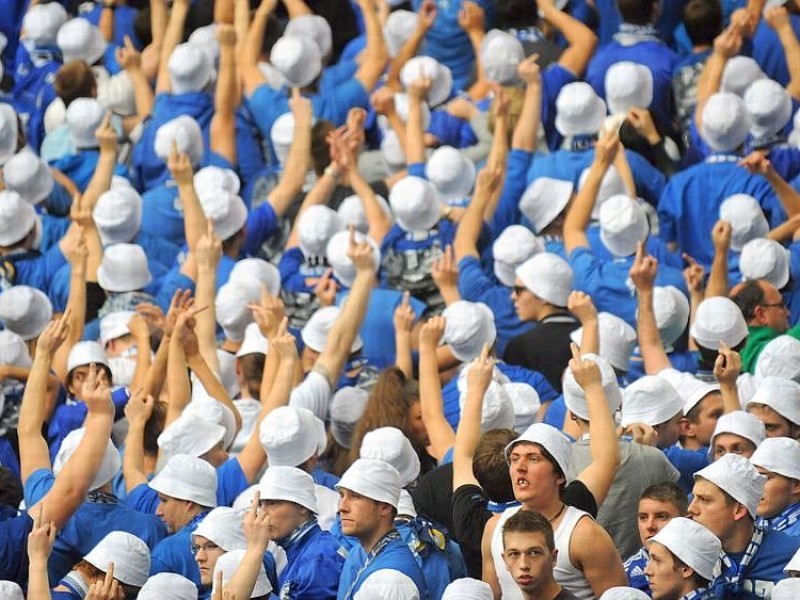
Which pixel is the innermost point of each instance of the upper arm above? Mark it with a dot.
(592, 550)
(488, 573)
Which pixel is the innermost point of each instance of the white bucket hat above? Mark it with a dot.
(740, 73)
(185, 132)
(316, 226)
(17, 218)
(452, 173)
(544, 199)
(549, 438)
(394, 157)
(374, 479)
(85, 353)
(401, 107)
(315, 28)
(205, 38)
(78, 39)
(501, 53)
(336, 252)
(217, 178)
(190, 69)
(253, 343)
(623, 224)
(168, 586)
(781, 395)
(118, 215)
(25, 310)
(84, 116)
(579, 111)
(611, 185)
(315, 332)
(189, 434)
(204, 406)
(297, 58)
(109, 467)
(187, 477)
(526, 402)
(725, 122)
(14, 350)
(469, 326)
(786, 589)
(672, 310)
(769, 106)
(781, 358)
(718, 319)
(415, 203)
(740, 423)
(11, 591)
(766, 259)
(425, 66)
(347, 408)
(548, 276)
(123, 269)
(226, 210)
(387, 584)
(390, 445)
(29, 176)
(468, 589)
(223, 527)
(130, 555)
(628, 85)
(291, 436)
(514, 245)
(231, 307)
(617, 340)
(228, 563)
(9, 132)
(42, 22)
(691, 389)
(115, 325)
(575, 397)
(257, 270)
(779, 455)
(351, 211)
(289, 484)
(650, 400)
(400, 26)
(747, 219)
(693, 544)
(736, 476)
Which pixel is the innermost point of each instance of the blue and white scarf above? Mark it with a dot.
(629, 34)
(788, 517)
(729, 582)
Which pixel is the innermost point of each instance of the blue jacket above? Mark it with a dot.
(314, 566)
(173, 554)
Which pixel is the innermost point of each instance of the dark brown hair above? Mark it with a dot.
(530, 521)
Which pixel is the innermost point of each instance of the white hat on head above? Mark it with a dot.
(526, 402)
(793, 564)
(374, 479)
(205, 38)
(400, 26)
(623, 593)
(351, 211)
(109, 467)
(610, 185)
(297, 58)
(254, 342)
(390, 445)
(692, 543)
(415, 203)
(231, 307)
(257, 270)
(11, 591)
(14, 350)
(779, 455)
(650, 400)
(469, 326)
(316, 226)
(623, 224)
(544, 199)
(726, 123)
(9, 132)
(85, 353)
(336, 253)
(401, 107)
(190, 434)
(347, 407)
(291, 436)
(551, 439)
(115, 325)
(766, 259)
(78, 39)
(228, 563)
(579, 111)
(736, 476)
(190, 68)
(315, 28)
(514, 245)
(786, 589)
(690, 388)
(501, 53)
(394, 157)
(187, 477)
(781, 395)
(281, 135)
(497, 410)
(185, 132)
(84, 116)
(130, 555)
(718, 319)
(628, 85)
(123, 269)
(671, 309)
(223, 527)
(739, 423)
(17, 218)
(290, 484)
(315, 332)
(204, 406)
(769, 106)
(617, 340)
(42, 22)
(405, 506)
(217, 178)
(468, 589)
(29, 176)
(740, 73)
(548, 276)
(425, 66)
(781, 358)
(274, 77)
(575, 397)
(746, 387)
(25, 310)
(747, 219)
(118, 215)
(452, 173)
(387, 584)
(226, 210)
(168, 586)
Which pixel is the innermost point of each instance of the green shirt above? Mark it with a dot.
(756, 340)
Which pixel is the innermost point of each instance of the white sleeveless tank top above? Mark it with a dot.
(565, 573)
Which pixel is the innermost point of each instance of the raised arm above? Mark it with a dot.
(758, 164)
(471, 19)
(415, 134)
(180, 391)
(227, 95)
(129, 59)
(440, 433)
(445, 275)
(426, 16)
(718, 279)
(581, 305)
(643, 274)
(256, 531)
(469, 228)
(374, 57)
(527, 129)
(77, 256)
(777, 17)
(498, 154)
(250, 51)
(138, 411)
(403, 326)
(173, 35)
(726, 45)
(40, 545)
(727, 369)
(581, 39)
(209, 253)
(212, 384)
(297, 8)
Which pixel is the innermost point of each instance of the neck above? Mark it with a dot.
(688, 587)
(549, 507)
(739, 537)
(231, 346)
(549, 310)
(370, 540)
(689, 443)
(548, 591)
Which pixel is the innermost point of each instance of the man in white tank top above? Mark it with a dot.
(586, 563)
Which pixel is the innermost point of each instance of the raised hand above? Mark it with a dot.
(209, 248)
(180, 166)
(77, 253)
(268, 314)
(426, 15)
(404, 315)
(128, 57)
(382, 101)
(419, 88)
(728, 43)
(694, 275)
(53, 336)
(326, 288)
(586, 372)
(139, 408)
(301, 107)
(721, 236)
(432, 332)
(360, 253)
(529, 71)
(41, 537)
(644, 270)
(481, 371)
(283, 342)
(108, 589)
(256, 524)
(106, 136)
(642, 433)
(728, 365)
(445, 270)
(757, 163)
(606, 148)
(777, 17)
(642, 122)
(581, 305)
(471, 17)
(96, 392)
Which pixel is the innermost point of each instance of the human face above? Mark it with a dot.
(708, 410)
(529, 560)
(417, 425)
(173, 512)
(775, 424)
(533, 476)
(669, 432)
(710, 508)
(284, 517)
(216, 456)
(772, 310)
(779, 492)
(730, 443)
(79, 374)
(206, 554)
(361, 516)
(666, 581)
(525, 302)
(653, 515)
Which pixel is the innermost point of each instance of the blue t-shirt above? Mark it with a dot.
(14, 530)
(634, 569)
(173, 554)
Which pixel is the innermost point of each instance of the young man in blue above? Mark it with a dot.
(778, 459)
(725, 499)
(369, 495)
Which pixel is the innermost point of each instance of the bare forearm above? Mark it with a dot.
(101, 180)
(38, 582)
(143, 94)
(294, 173)
(580, 212)
(133, 457)
(157, 373)
(403, 359)
(415, 136)
(379, 222)
(172, 37)
(106, 24)
(158, 20)
(718, 278)
(787, 195)
(213, 385)
(708, 84)
(281, 389)
(590, 339)
(650, 344)
(530, 117)
(407, 52)
(206, 328)
(177, 382)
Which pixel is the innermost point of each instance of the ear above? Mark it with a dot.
(795, 488)
(739, 511)
(554, 557)
(687, 572)
(688, 429)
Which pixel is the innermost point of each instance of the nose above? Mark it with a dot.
(524, 562)
(650, 524)
(692, 510)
